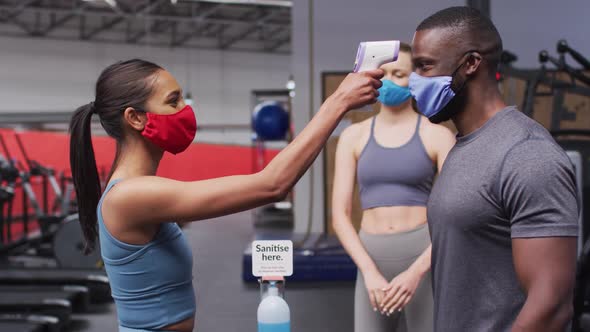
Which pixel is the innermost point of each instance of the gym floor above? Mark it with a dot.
(225, 303)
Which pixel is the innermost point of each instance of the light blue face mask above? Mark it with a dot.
(391, 94)
(433, 93)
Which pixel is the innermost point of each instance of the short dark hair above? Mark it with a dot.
(405, 47)
(471, 27)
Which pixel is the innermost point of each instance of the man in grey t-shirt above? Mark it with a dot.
(503, 212)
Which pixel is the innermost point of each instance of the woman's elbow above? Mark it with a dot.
(280, 194)
(276, 187)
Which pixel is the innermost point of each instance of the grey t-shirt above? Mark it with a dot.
(509, 179)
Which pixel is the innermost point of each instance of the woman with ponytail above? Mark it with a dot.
(147, 258)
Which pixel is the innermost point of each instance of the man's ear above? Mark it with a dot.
(472, 64)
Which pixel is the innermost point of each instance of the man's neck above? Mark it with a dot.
(481, 106)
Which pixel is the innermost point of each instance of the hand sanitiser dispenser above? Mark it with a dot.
(373, 54)
(273, 312)
(272, 261)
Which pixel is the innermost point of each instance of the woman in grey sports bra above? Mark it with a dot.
(394, 157)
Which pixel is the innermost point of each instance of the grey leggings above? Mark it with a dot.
(393, 254)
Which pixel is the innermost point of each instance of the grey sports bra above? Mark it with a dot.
(400, 176)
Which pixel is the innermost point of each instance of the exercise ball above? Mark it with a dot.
(270, 121)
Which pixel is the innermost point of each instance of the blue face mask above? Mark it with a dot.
(391, 94)
(432, 94)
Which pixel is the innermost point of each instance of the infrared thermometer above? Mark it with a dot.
(373, 54)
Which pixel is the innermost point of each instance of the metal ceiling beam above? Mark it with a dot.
(197, 30)
(174, 33)
(16, 10)
(273, 32)
(152, 44)
(272, 3)
(156, 27)
(24, 26)
(37, 24)
(105, 26)
(278, 43)
(211, 31)
(246, 16)
(117, 9)
(151, 7)
(82, 27)
(12, 13)
(121, 16)
(59, 22)
(153, 16)
(209, 12)
(232, 40)
(257, 25)
(76, 11)
(205, 25)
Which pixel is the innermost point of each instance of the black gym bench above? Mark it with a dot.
(79, 296)
(28, 323)
(45, 304)
(96, 281)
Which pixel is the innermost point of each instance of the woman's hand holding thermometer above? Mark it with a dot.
(372, 55)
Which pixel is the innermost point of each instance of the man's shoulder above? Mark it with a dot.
(536, 155)
(517, 131)
(517, 140)
(519, 125)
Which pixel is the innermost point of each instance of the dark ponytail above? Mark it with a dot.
(121, 85)
(84, 172)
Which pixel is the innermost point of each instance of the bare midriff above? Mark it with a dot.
(393, 219)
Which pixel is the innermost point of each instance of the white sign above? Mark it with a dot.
(272, 258)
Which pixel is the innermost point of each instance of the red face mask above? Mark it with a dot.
(171, 132)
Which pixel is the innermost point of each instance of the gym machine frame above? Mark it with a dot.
(282, 216)
(543, 76)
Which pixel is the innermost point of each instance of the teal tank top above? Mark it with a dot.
(152, 283)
